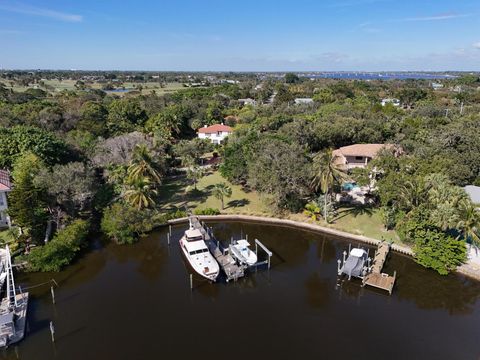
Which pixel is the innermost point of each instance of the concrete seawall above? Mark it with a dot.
(466, 269)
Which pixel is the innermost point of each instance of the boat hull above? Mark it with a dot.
(205, 272)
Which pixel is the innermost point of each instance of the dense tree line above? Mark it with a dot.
(87, 156)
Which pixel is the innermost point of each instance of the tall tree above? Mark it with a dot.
(140, 193)
(143, 165)
(221, 191)
(327, 173)
(469, 223)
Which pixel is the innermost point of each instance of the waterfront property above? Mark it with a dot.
(358, 155)
(215, 133)
(5, 187)
(112, 291)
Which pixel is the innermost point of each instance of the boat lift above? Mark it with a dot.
(230, 265)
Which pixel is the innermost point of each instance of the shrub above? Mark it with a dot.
(125, 224)
(207, 211)
(61, 250)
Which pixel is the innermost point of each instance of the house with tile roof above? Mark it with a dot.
(215, 133)
(358, 155)
(5, 187)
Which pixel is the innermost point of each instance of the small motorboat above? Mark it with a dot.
(241, 251)
(354, 264)
(198, 255)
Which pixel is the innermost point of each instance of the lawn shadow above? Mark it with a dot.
(354, 210)
(237, 203)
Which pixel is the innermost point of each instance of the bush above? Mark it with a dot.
(207, 211)
(61, 250)
(125, 224)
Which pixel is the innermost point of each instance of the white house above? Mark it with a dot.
(394, 102)
(5, 187)
(247, 101)
(216, 133)
(303, 101)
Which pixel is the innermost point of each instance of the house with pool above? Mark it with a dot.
(358, 155)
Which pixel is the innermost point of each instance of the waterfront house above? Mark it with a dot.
(215, 133)
(5, 187)
(358, 155)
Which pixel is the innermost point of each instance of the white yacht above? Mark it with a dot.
(241, 251)
(199, 257)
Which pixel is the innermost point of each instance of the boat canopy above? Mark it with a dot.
(243, 243)
(194, 234)
(357, 252)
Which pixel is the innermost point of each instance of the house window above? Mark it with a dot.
(219, 133)
(358, 157)
(2, 201)
(207, 135)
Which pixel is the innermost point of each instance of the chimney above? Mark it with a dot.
(205, 126)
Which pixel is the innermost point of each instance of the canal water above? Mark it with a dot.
(135, 302)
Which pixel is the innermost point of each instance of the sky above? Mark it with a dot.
(248, 35)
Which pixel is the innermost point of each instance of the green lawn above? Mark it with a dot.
(176, 192)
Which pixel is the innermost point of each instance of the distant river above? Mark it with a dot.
(380, 76)
(134, 302)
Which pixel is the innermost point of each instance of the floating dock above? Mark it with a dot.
(375, 277)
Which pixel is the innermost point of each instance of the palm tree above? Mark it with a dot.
(222, 190)
(194, 173)
(327, 173)
(140, 193)
(469, 223)
(143, 165)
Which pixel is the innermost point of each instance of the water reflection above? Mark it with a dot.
(112, 291)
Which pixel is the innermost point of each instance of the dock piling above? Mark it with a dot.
(53, 294)
(168, 238)
(52, 331)
(191, 282)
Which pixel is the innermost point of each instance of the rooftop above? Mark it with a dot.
(215, 128)
(366, 150)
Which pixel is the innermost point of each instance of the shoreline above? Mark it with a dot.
(466, 269)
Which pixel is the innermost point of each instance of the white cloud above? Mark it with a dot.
(476, 45)
(36, 11)
(438, 17)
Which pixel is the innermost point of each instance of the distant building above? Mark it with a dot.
(215, 133)
(474, 193)
(5, 187)
(437, 86)
(303, 101)
(358, 155)
(247, 101)
(394, 102)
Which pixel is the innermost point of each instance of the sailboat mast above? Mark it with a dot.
(10, 279)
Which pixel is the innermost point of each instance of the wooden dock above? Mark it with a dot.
(375, 277)
(232, 270)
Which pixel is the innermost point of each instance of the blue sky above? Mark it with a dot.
(261, 35)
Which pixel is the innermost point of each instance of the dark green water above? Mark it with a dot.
(134, 302)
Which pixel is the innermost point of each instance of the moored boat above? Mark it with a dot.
(241, 251)
(198, 255)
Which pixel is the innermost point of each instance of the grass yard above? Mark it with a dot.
(178, 192)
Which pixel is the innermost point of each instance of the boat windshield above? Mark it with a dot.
(198, 251)
(194, 238)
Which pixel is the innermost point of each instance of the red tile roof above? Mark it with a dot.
(5, 184)
(215, 128)
(367, 150)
